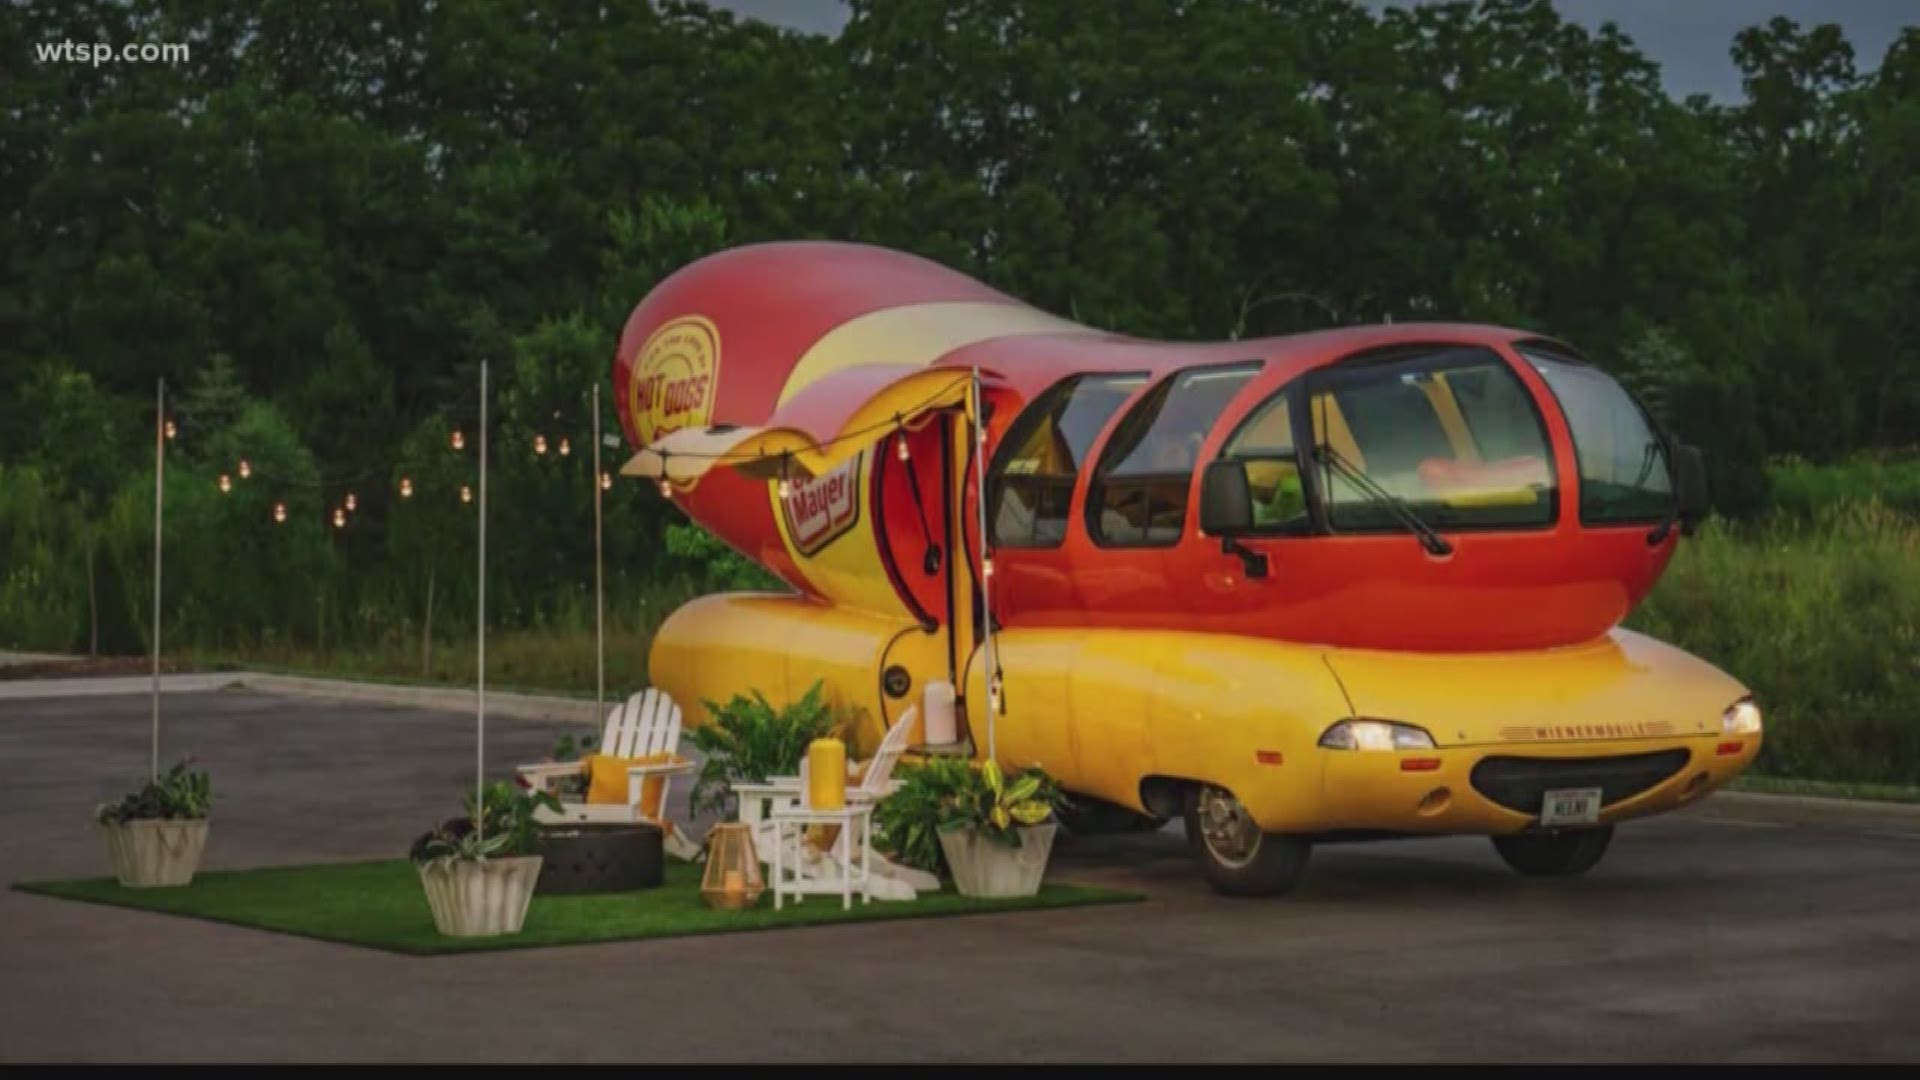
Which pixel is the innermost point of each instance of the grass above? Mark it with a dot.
(1822, 619)
(1827, 789)
(380, 905)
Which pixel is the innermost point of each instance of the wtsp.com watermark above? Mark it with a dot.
(99, 53)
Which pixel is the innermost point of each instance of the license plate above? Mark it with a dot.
(1570, 806)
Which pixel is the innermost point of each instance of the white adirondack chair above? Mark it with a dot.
(647, 723)
(758, 801)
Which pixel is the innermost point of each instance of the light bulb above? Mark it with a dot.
(406, 487)
(666, 488)
(458, 440)
(905, 454)
(171, 430)
(466, 494)
(786, 488)
(226, 483)
(279, 513)
(565, 447)
(606, 481)
(986, 566)
(539, 444)
(339, 518)
(352, 503)
(246, 469)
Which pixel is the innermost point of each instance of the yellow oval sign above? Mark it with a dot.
(675, 377)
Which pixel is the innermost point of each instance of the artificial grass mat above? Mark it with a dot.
(381, 905)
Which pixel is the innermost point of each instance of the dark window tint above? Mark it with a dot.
(1031, 482)
(1139, 492)
(1623, 463)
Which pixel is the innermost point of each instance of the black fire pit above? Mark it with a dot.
(599, 858)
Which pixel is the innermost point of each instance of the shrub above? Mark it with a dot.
(750, 741)
(182, 794)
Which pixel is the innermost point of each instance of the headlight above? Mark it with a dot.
(1375, 735)
(1741, 718)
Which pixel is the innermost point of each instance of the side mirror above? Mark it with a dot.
(1226, 499)
(1690, 473)
(1226, 511)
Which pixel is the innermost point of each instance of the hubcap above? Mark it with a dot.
(1231, 836)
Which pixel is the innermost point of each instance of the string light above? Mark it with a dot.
(606, 481)
(786, 486)
(171, 431)
(666, 488)
(339, 518)
(246, 469)
(539, 444)
(986, 566)
(466, 494)
(905, 454)
(565, 447)
(279, 513)
(458, 440)
(406, 487)
(226, 483)
(352, 503)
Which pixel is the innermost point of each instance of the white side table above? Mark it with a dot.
(848, 873)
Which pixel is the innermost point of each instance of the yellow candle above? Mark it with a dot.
(827, 774)
(735, 883)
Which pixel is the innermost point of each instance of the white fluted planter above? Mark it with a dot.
(480, 897)
(988, 868)
(155, 854)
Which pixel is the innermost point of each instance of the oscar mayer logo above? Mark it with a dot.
(675, 375)
(821, 510)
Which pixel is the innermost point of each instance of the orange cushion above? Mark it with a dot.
(607, 782)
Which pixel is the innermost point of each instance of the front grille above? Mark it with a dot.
(1519, 783)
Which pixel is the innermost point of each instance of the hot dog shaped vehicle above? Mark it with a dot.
(1356, 583)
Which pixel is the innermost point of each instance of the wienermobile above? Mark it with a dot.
(1349, 584)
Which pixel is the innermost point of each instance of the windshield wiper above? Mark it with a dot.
(1429, 539)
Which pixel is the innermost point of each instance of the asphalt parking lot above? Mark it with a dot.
(1732, 932)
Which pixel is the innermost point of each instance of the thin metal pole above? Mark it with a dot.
(480, 684)
(159, 490)
(599, 578)
(986, 559)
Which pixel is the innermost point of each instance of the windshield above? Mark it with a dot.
(1452, 433)
(1624, 476)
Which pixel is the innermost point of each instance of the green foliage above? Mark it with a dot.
(1822, 618)
(713, 565)
(750, 741)
(180, 794)
(947, 794)
(506, 827)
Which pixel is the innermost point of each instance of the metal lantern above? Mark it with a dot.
(732, 880)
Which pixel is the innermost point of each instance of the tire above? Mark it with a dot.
(1563, 853)
(1248, 862)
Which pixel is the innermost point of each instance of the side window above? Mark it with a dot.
(1139, 493)
(1031, 481)
(1265, 443)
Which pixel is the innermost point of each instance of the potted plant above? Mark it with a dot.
(750, 741)
(479, 870)
(993, 834)
(156, 834)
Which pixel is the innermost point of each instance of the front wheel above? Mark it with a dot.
(1236, 857)
(1563, 853)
